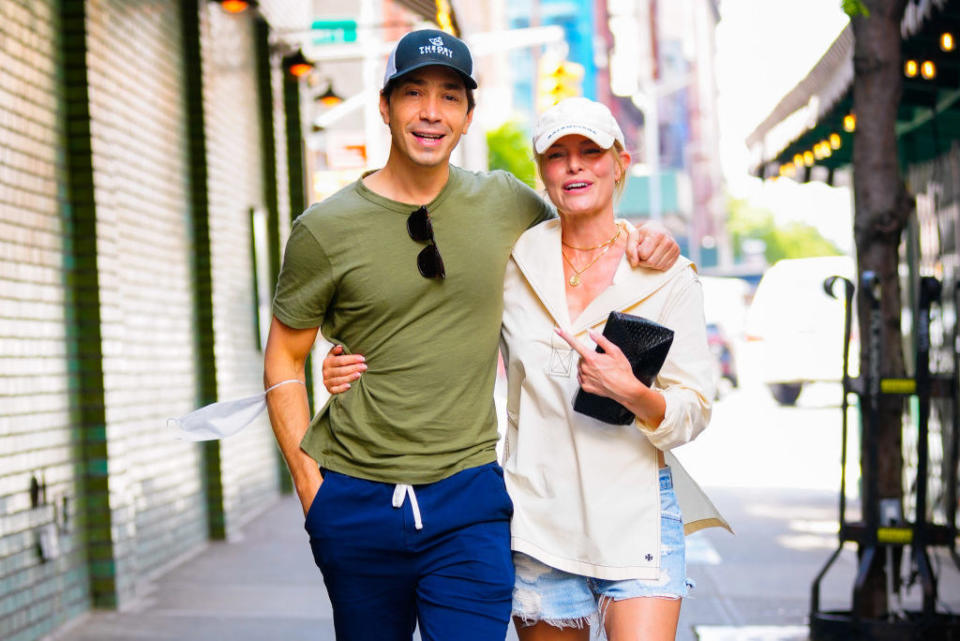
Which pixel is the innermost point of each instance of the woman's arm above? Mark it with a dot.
(677, 408)
(609, 374)
(686, 380)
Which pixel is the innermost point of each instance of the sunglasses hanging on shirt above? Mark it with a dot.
(428, 260)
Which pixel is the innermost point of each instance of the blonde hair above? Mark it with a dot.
(618, 186)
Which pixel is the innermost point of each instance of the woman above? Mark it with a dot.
(597, 532)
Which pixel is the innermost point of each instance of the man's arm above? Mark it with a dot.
(285, 358)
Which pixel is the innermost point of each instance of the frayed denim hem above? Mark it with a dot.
(527, 619)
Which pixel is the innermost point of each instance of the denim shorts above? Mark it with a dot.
(543, 593)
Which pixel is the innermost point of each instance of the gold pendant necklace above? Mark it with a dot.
(575, 279)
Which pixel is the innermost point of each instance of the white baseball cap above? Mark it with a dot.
(576, 116)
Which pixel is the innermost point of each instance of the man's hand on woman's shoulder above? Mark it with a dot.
(651, 245)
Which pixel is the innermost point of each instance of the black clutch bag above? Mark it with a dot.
(645, 344)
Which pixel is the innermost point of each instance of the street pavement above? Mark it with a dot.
(772, 471)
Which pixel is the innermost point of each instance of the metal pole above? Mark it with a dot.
(653, 152)
(848, 290)
(929, 294)
(373, 129)
(870, 509)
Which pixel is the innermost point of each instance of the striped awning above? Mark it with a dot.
(815, 107)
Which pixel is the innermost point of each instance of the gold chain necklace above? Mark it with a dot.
(587, 249)
(575, 280)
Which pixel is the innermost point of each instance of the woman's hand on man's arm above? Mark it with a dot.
(339, 369)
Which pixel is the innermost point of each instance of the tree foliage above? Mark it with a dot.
(508, 148)
(855, 8)
(793, 240)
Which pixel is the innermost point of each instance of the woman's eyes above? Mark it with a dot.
(590, 151)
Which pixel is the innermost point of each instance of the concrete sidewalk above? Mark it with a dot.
(264, 586)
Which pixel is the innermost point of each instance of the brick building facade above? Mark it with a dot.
(139, 142)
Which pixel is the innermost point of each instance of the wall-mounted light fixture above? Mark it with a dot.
(329, 98)
(910, 68)
(297, 64)
(928, 70)
(835, 141)
(850, 123)
(236, 6)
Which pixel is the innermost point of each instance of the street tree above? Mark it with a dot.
(508, 148)
(746, 222)
(882, 206)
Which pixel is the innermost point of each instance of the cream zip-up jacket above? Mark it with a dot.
(586, 494)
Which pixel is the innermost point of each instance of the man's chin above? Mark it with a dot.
(430, 160)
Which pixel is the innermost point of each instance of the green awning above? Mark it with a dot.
(927, 123)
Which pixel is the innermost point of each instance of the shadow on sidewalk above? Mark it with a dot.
(262, 586)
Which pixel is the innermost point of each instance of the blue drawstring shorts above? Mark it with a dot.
(437, 554)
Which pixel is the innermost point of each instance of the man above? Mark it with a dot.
(409, 520)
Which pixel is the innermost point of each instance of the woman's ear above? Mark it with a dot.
(621, 167)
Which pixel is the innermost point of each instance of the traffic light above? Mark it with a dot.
(556, 80)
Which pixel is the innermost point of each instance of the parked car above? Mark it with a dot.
(797, 326)
(725, 308)
(722, 350)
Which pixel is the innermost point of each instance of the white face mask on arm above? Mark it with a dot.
(222, 419)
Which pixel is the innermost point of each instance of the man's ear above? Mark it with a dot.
(384, 110)
(466, 125)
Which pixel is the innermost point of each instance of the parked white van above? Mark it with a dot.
(797, 327)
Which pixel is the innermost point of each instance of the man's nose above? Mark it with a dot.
(430, 108)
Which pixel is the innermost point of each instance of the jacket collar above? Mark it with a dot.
(537, 255)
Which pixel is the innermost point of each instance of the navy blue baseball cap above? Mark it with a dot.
(428, 47)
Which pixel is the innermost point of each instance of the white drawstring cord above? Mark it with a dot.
(403, 490)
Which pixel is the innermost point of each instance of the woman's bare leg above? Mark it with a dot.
(641, 619)
(541, 631)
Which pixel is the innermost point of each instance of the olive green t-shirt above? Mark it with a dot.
(424, 408)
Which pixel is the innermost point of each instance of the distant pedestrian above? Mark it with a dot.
(409, 517)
